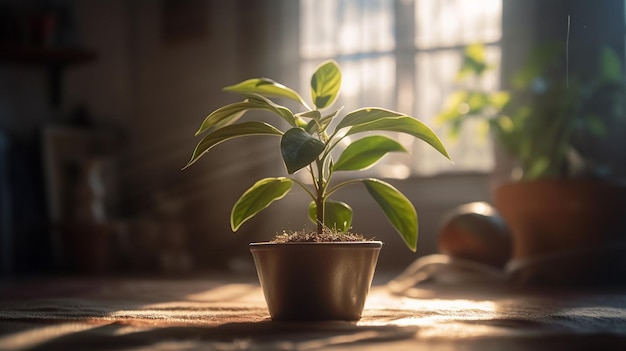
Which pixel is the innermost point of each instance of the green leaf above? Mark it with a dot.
(325, 84)
(474, 61)
(258, 198)
(229, 114)
(230, 132)
(455, 108)
(299, 149)
(610, 66)
(499, 99)
(595, 125)
(403, 124)
(398, 209)
(365, 152)
(365, 115)
(265, 87)
(225, 115)
(537, 168)
(315, 114)
(536, 65)
(337, 215)
(477, 101)
(264, 103)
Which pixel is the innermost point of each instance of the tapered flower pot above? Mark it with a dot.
(565, 230)
(304, 281)
(551, 215)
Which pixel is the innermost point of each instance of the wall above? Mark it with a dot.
(156, 91)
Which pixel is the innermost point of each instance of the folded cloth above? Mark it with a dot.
(447, 270)
(597, 265)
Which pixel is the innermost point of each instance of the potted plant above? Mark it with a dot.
(325, 274)
(561, 130)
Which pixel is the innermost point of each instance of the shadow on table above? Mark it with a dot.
(264, 334)
(268, 335)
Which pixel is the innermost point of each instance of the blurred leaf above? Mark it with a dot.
(477, 102)
(610, 66)
(474, 61)
(596, 125)
(499, 99)
(537, 63)
(505, 123)
(538, 167)
(454, 110)
(257, 198)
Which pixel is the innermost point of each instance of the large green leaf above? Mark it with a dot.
(365, 115)
(403, 124)
(230, 132)
(299, 149)
(398, 209)
(258, 198)
(325, 84)
(363, 153)
(225, 115)
(265, 87)
(337, 215)
(269, 105)
(230, 113)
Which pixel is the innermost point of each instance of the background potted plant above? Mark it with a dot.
(325, 274)
(564, 197)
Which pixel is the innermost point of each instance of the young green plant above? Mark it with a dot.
(551, 125)
(307, 143)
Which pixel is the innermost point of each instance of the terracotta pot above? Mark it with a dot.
(561, 215)
(316, 281)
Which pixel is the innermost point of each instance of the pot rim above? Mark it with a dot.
(366, 243)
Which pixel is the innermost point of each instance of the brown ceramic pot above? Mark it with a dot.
(316, 281)
(556, 215)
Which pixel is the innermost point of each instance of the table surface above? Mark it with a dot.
(219, 312)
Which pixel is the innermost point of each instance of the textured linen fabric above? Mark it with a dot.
(226, 313)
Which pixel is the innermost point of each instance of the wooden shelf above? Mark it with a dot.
(54, 60)
(45, 56)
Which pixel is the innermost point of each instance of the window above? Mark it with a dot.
(404, 55)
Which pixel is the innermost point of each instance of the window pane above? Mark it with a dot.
(333, 28)
(412, 73)
(435, 79)
(441, 23)
(365, 82)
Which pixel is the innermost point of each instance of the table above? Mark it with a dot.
(225, 312)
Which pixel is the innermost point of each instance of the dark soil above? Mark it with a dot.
(327, 235)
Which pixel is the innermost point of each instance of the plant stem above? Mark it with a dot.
(319, 200)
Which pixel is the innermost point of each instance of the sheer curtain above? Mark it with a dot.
(404, 55)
